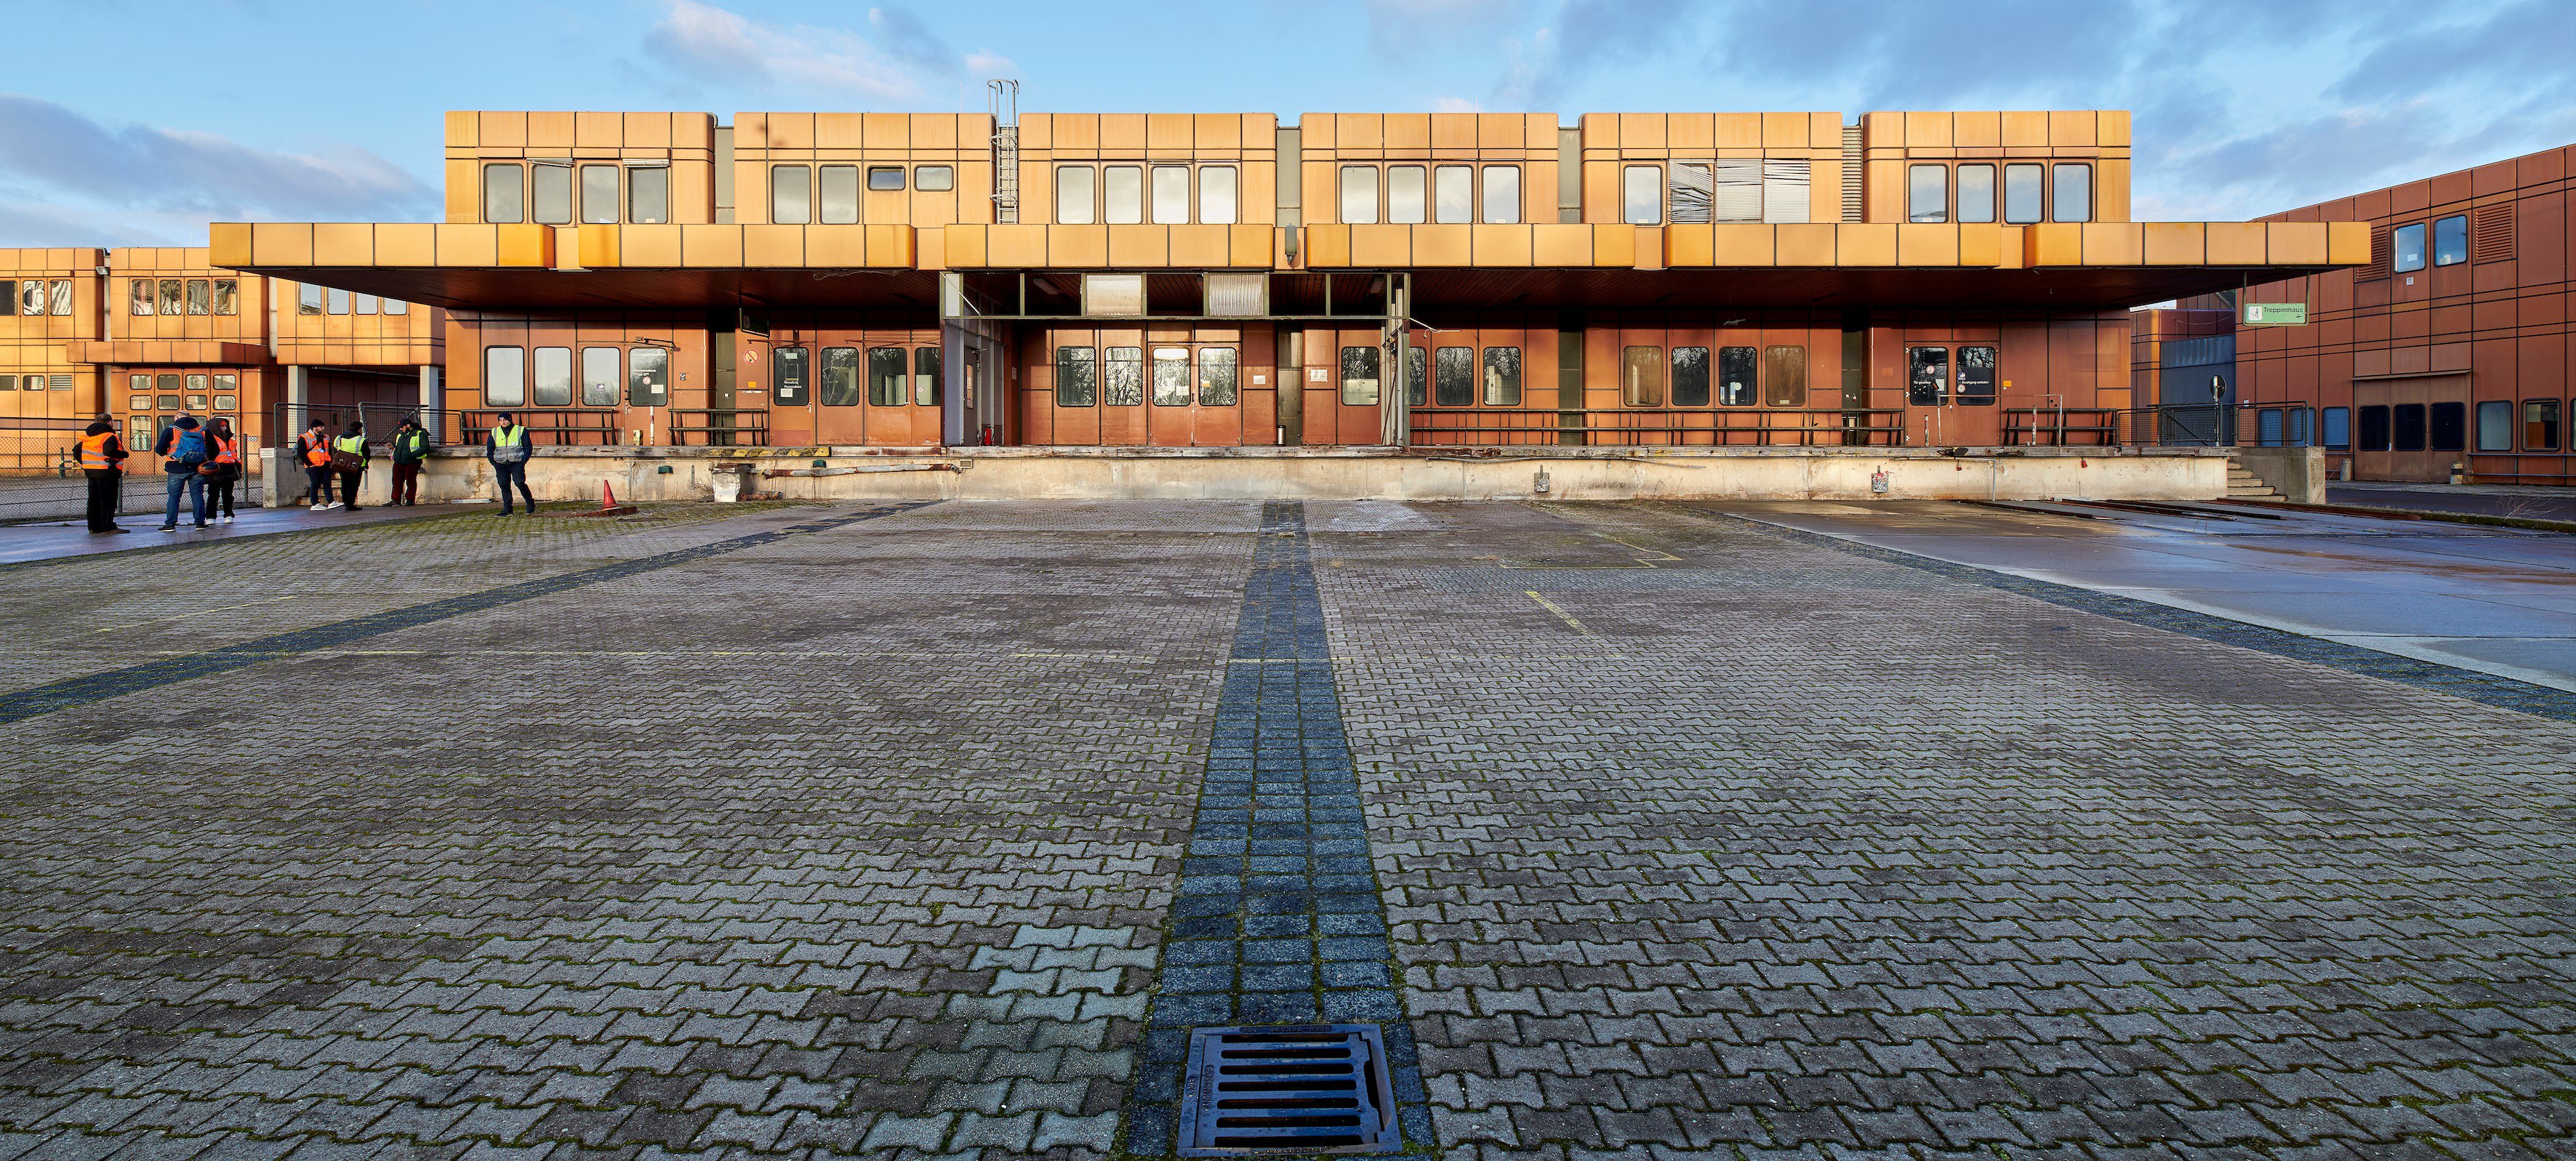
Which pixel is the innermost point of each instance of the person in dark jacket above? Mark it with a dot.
(183, 449)
(411, 450)
(102, 460)
(223, 468)
(506, 446)
(351, 444)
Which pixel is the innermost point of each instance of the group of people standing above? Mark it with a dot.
(204, 461)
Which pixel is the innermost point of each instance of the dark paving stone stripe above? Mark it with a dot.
(1278, 919)
(2483, 688)
(98, 687)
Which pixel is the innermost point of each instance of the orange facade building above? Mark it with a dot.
(1230, 280)
(2448, 349)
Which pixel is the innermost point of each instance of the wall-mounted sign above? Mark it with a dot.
(2276, 314)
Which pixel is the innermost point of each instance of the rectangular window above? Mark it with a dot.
(837, 194)
(553, 378)
(791, 195)
(1927, 382)
(1073, 195)
(2071, 200)
(2495, 426)
(1359, 195)
(1216, 376)
(339, 299)
(8, 382)
(648, 376)
(2451, 240)
(1735, 190)
(1502, 376)
(1502, 195)
(2406, 248)
(228, 296)
(62, 288)
(392, 305)
(840, 377)
(648, 195)
(2408, 430)
(2022, 203)
(599, 376)
(1736, 367)
(505, 377)
(934, 178)
(1690, 192)
(2540, 425)
(1641, 195)
(174, 298)
(1784, 191)
(599, 195)
(1976, 376)
(1171, 376)
(1122, 377)
(790, 371)
(1123, 194)
(1216, 195)
(885, 178)
(1171, 195)
(32, 299)
(550, 194)
(1784, 376)
(366, 304)
(1976, 193)
(1641, 377)
(2448, 429)
(2377, 433)
(2338, 428)
(1927, 193)
(169, 384)
(1113, 294)
(1454, 377)
(308, 299)
(1404, 194)
(138, 295)
(9, 295)
(502, 196)
(1453, 194)
(1077, 382)
(1417, 372)
(1690, 377)
(925, 376)
(1359, 374)
(886, 369)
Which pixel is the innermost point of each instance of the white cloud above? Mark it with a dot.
(986, 64)
(900, 60)
(1455, 105)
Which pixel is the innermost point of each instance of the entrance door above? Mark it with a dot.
(2413, 428)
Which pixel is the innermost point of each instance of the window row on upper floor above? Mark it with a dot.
(1723, 190)
(1134, 194)
(2450, 243)
(1446, 194)
(2032, 192)
(35, 296)
(802, 194)
(511, 379)
(182, 296)
(311, 300)
(544, 192)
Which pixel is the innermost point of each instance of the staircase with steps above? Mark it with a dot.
(2245, 485)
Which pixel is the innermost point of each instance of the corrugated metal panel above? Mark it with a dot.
(1852, 170)
(2491, 234)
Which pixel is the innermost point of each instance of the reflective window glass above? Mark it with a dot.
(1976, 376)
(887, 367)
(2022, 193)
(338, 298)
(1641, 195)
(1927, 193)
(1171, 195)
(2406, 247)
(1690, 376)
(174, 298)
(364, 304)
(2451, 240)
(790, 376)
(2375, 430)
(1404, 194)
(1784, 376)
(228, 296)
(2447, 426)
(1641, 377)
(791, 196)
(32, 299)
(2540, 425)
(934, 178)
(501, 193)
(1122, 377)
(837, 195)
(1076, 377)
(392, 305)
(1976, 193)
(1359, 376)
(840, 377)
(1690, 193)
(308, 298)
(1927, 381)
(1417, 362)
(885, 178)
(1454, 377)
(553, 369)
(1502, 194)
(1502, 376)
(648, 376)
(1171, 376)
(550, 194)
(2408, 433)
(2072, 198)
(648, 195)
(505, 377)
(1359, 194)
(1736, 386)
(599, 376)
(1073, 195)
(2495, 426)
(1122, 190)
(201, 299)
(138, 295)
(1217, 195)
(2338, 428)
(925, 376)
(1453, 194)
(599, 195)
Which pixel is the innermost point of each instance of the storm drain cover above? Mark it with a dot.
(1294, 1088)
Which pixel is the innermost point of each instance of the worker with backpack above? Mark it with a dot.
(183, 449)
(223, 469)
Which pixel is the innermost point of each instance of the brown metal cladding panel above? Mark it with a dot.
(2025, 130)
(344, 244)
(2175, 244)
(464, 191)
(1927, 245)
(502, 129)
(1075, 247)
(693, 194)
(1641, 134)
(1328, 245)
(552, 130)
(1140, 246)
(1169, 132)
(1803, 244)
(1600, 191)
(1865, 244)
(406, 244)
(1122, 133)
(282, 244)
(1025, 246)
(2114, 244)
(599, 130)
(1977, 130)
(1927, 131)
(463, 129)
(1381, 245)
(1407, 134)
(2073, 128)
(1359, 134)
(2237, 243)
(1502, 245)
(1750, 244)
(2111, 190)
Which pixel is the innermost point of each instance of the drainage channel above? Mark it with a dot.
(1275, 1024)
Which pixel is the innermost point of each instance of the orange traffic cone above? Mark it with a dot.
(608, 505)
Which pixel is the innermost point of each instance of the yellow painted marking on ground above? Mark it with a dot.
(1561, 614)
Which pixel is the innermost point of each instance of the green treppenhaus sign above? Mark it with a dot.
(2276, 314)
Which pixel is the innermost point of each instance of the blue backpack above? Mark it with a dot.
(189, 448)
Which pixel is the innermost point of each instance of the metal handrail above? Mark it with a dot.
(1682, 426)
(732, 426)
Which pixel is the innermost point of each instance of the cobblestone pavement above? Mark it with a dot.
(822, 831)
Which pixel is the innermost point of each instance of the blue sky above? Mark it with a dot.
(125, 122)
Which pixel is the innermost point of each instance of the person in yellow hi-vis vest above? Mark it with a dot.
(102, 460)
(506, 446)
(349, 459)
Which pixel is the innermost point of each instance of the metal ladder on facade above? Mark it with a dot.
(1002, 100)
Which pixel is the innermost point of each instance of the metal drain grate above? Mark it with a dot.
(1297, 1088)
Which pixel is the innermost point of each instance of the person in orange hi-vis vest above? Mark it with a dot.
(102, 459)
